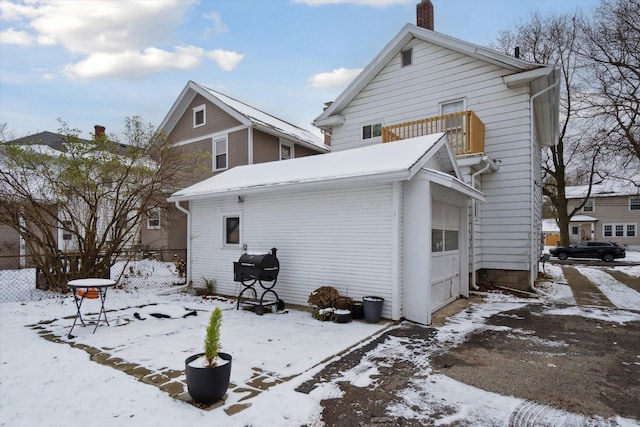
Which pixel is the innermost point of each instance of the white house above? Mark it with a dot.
(388, 220)
(499, 112)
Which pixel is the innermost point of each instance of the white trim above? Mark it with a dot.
(593, 206)
(291, 149)
(209, 136)
(629, 205)
(195, 110)
(397, 251)
(613, 226)
(371, 123)
(214, 151)
(154, 227)
(223, 224)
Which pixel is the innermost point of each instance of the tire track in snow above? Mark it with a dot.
(618, 293)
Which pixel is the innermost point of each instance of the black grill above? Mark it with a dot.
(262, 269)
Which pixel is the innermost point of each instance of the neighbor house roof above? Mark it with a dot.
(245, 114)
(398, 160)
(517, 73)
(608, 188)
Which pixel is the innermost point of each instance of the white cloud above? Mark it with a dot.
(374, 3)
(13, 36)
(337, 77)
(225, 59)
(218, 26)
(135, 64)
(113, 38)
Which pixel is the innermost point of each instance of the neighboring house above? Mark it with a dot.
(380, 220)
(499, 111)
(231, 134)
(612, 213)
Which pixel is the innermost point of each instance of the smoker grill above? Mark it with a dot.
(261, 269)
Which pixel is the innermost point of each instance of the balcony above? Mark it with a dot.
(465, 131)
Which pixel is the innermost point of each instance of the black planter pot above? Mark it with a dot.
(372, 308)
(358, 310)
(208, 385)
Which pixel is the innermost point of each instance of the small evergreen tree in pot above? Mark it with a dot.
(208, 381)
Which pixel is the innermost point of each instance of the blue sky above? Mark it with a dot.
(97, 62)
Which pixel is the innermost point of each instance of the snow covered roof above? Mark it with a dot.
(608, 188)
(246, 114)
(583, 218)
(398, 160)
(550, 226)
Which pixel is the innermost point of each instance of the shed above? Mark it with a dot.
(389, 220)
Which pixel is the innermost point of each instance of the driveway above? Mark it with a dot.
(556, 361)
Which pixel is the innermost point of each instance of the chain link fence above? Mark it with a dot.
(155, 272)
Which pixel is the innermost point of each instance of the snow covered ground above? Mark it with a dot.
(45, 383)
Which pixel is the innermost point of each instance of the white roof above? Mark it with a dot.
(242, 112)
(393, 161)
(550, 226)
(608, 188)
(582, 218)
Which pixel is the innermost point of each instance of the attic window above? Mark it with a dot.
(406, 57)
(199, 116)
(372, 131)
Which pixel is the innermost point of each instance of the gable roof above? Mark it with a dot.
(49, 139)
(245, 114)
(518, 72)
(394, 161)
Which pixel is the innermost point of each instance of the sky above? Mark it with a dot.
(92, 63)
(53, 383)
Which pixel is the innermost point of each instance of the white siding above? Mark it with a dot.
(437, 75)
(343, 237)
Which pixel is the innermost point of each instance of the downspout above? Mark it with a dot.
(534, 241)
(473, 222)
(188, 213)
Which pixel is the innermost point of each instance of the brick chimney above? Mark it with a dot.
(99, 131)
(424, 14)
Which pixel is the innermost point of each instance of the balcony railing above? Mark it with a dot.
(465, 131)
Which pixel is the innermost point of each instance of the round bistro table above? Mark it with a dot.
(101, 286)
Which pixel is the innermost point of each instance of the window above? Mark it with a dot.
(286, 151)
(66, 230)
(153, 219)
(199, 116)
(634, 204)
(231, 225)
(220, 147)
(619, 230)
(372, 131)
(406, 57)
(588, 206)
(574, 230)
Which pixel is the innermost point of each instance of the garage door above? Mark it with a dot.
(445, 254)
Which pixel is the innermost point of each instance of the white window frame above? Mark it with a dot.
(591, 203)
(196, 110)
(225, 238)
(150, 226)
(625, 229)
(372, 125)
(290, 146)
(214, 150)
(409, 53)
(634, 206)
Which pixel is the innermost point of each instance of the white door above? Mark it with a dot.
(445, 254)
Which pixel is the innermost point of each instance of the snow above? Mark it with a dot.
(43, 382)
(373, 160)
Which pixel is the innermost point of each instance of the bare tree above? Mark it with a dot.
(612, 48)
(556, 40)
(94, 194)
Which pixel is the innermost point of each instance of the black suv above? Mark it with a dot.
(606, 251)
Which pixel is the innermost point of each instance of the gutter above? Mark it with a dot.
(534, 241)
(188, 260)
(490, 165)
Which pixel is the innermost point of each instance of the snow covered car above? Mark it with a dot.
(606, 251)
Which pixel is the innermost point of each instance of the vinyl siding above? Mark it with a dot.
(612, 210)
(343, 239)
(439, 75)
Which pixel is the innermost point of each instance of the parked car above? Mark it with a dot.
(606, 251)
